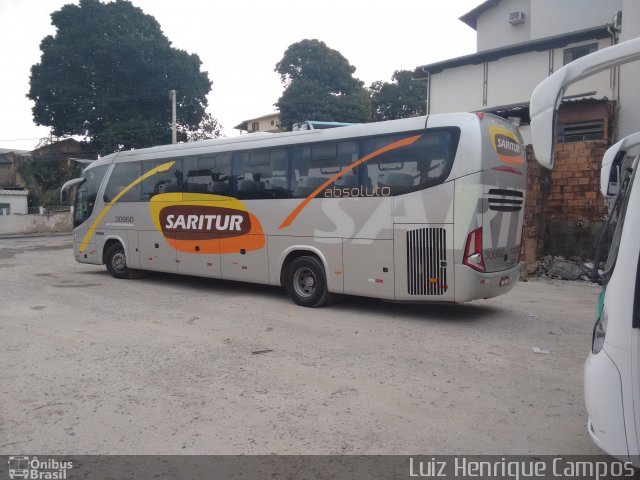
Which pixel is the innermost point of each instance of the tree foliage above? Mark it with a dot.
(402, 98)
(319, 85)
(107, 73)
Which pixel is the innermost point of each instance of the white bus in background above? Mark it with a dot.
(424, 209)
(612, 369)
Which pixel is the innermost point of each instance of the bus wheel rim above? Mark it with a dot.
(118, 261)
(304, 282)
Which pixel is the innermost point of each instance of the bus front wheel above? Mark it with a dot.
(116, 261)
(306, 282)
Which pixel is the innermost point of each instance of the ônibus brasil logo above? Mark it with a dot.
(38, 469)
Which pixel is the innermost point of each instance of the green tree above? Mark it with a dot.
(402, 98)
(319, 85)
(106, 75)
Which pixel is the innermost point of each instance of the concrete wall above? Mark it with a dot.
(457, 90)
(510, 80)
(28, 224)
(555, 17)
(494, 29)
(543, 18)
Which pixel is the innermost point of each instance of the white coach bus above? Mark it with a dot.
(423, 209)
(612, 369)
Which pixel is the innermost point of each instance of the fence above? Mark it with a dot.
(48, 210)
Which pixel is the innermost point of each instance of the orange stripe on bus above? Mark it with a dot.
(392, 146)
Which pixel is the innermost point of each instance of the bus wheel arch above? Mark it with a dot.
(304, 277)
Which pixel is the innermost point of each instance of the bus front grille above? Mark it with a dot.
(503, 200)
(427, 261)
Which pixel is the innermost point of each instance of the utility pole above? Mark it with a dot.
(173, 116)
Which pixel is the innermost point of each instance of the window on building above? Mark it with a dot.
(573, 53)
(5, 209)
(255, 126)
(581, 131)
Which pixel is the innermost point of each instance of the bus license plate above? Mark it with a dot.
(504, 281)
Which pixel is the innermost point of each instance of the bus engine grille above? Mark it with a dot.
(503, 200)
(427, 261)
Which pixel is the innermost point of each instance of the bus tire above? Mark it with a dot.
(116, 262)
(306, 282)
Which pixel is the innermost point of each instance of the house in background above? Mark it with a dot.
(13, 201)
(267, 123)
(9, 167)
(519, 44)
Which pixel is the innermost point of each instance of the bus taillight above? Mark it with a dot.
(473, 251)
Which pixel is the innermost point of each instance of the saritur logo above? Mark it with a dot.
(202, 224)
(507, 145)
(194, 222)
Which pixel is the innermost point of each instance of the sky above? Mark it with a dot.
(239, 43)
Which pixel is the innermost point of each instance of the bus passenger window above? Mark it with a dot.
(422, 164)
(161, 182)
(261, 174)
(121, 178)
(315, 165)
(208, 174)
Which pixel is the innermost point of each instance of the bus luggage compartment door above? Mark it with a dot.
(246, 264)
(423, 262)
(155, 253)
(368, 268)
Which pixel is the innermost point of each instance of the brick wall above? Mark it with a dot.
(564, 208)
(538, 179)
(575, 182)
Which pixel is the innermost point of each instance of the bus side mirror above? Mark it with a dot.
(64, 197)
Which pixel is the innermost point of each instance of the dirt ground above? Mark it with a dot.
(182, 365)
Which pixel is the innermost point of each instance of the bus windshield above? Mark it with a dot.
(618, 214)
(87, 193)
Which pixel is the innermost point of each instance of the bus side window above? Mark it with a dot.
(122, 176)
(313, 165)
(422, 164)
(208, 174)
(161, 182)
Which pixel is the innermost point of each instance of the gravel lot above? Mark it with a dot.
(172, 365)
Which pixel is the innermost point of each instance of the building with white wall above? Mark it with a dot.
(519, 44)
(13, 202)
(266, 123)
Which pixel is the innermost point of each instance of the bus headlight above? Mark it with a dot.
(599, 332)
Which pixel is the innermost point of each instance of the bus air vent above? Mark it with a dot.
(503, 200)
(427, 261)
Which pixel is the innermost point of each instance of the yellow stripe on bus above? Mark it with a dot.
(159, 169)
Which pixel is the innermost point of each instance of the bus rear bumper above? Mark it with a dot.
(471, 284)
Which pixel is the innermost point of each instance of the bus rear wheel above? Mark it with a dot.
(306, 282)
(116, 261)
